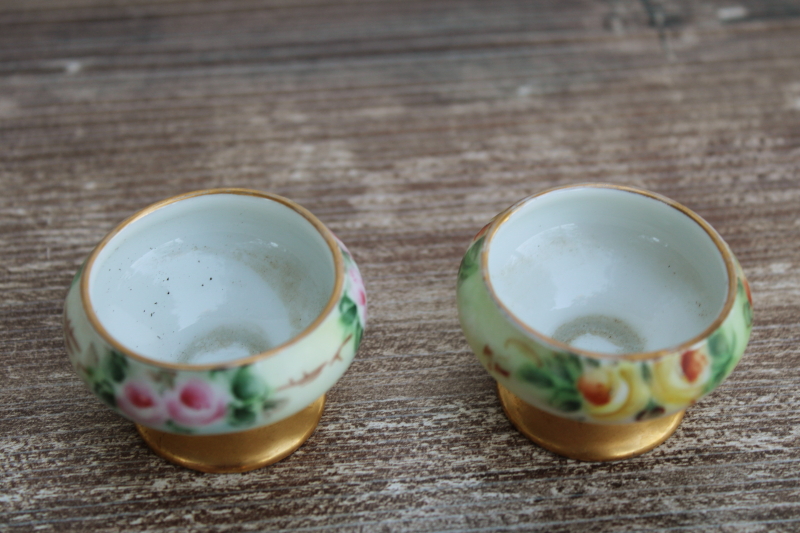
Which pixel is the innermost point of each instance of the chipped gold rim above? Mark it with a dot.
(319, 226)
(727, 258)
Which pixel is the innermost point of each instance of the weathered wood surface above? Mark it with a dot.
(404, 126)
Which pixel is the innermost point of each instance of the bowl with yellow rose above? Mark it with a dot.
(603, 312)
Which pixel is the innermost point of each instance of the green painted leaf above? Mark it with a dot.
(566, 400)
(536, 376)
(115, 366)
(176, 428)
(722, 367)
(748, 314)
(105, 391)
(716, 378)
(357, 334)
(746, 308)
(567, 366)
(348, 310)
(243, 415)
(471, 261)
(247, 386)
(647, 374)
(652, 410)
(270, 404)
(719, 347)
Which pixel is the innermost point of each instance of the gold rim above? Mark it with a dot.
(636, 356)
(319, 226)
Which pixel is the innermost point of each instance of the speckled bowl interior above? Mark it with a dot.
(607, 270)
(211, 279)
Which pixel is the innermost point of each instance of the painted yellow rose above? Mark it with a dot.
(613, 392)
(681, 379)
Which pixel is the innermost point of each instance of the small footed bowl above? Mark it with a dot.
(602, 312)
(217, 320)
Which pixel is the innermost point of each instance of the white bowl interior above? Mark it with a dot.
(607, 270)
(212, 278)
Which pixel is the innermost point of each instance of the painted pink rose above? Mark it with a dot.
(358, 286)
(139, 401)
(196, 403)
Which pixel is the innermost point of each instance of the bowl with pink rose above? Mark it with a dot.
(216, 321)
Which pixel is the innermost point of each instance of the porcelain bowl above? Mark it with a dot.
(603, 304)
(215, 312)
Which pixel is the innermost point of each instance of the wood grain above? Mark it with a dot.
(405, 126)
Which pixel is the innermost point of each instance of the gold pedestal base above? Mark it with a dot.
(236, 452)
(584, 441)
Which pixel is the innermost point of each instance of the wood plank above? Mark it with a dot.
(405, 126)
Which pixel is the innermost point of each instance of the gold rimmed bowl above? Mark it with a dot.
(603, 312)
(216, 321)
